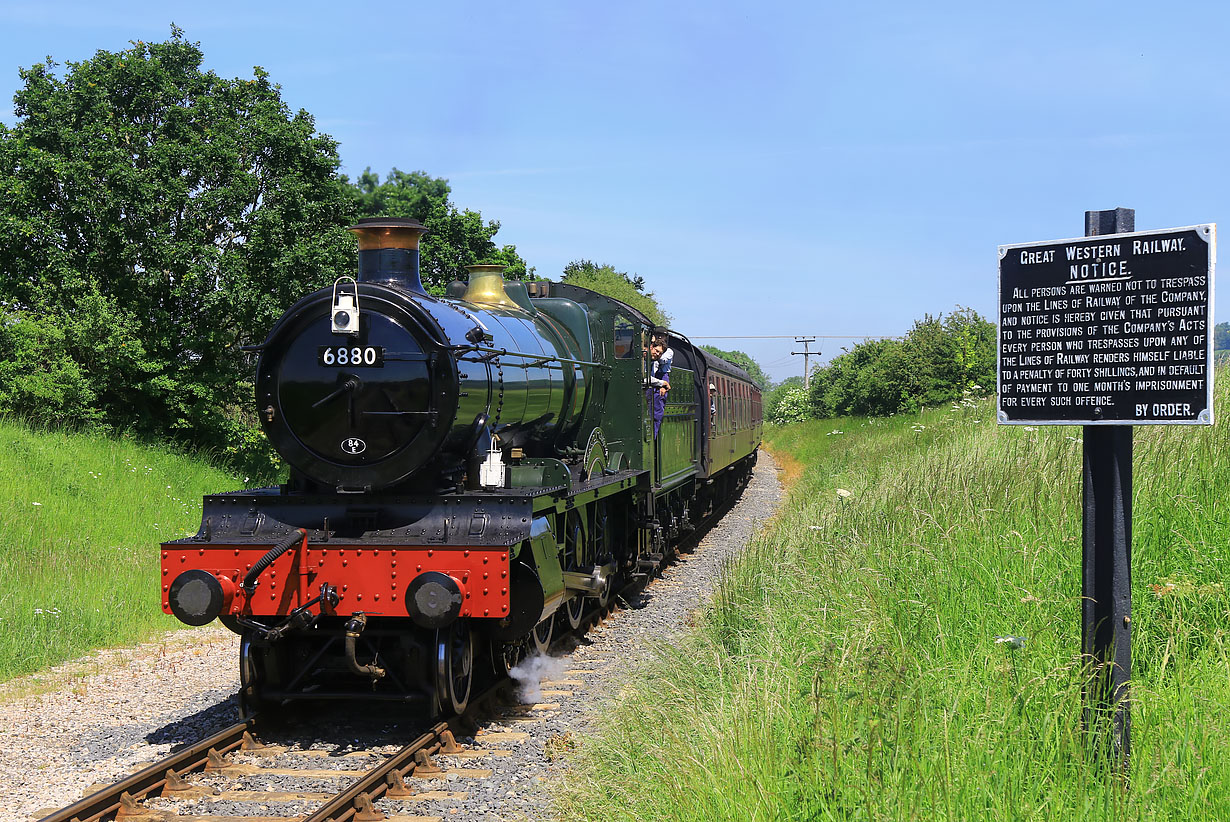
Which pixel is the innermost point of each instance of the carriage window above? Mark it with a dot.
(625, 333)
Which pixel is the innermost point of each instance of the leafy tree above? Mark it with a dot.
(939, 360)
(1221, 336)
(743, 361)
(454, 239)
(168, 216)
(864, 381)
(617, 285)
(402, 194)
(975, 349)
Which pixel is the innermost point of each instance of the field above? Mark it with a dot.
(81, 517)
(903, 641)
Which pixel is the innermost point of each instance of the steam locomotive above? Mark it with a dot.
(466, 473)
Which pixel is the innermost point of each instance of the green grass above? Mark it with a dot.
(81, 517)
(849, 669)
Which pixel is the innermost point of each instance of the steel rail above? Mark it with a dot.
(105, 804)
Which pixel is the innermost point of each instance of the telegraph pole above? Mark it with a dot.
(806, 352)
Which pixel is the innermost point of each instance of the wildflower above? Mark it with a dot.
(1013, 643)
(843, 493)
(38, 504)
(1162, 590)
(1031, 428)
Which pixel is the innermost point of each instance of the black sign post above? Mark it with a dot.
(1109, 331)
(1106, 570)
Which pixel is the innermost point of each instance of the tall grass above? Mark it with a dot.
(911, 650)
(81, 517)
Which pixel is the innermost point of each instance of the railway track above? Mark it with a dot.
(236, 774)
(217, 775)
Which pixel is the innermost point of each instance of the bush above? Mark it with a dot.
(39, 379)
(792, 405)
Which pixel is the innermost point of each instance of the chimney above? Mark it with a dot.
(389, 252)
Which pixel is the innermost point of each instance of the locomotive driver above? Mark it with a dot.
(661, 358)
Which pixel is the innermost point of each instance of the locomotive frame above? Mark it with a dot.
(494, 476)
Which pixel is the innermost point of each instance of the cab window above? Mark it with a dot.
(625, 336)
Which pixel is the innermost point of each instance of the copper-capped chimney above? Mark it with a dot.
(389, 252)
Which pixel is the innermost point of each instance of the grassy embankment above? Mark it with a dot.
(850, 667)
(81, 517)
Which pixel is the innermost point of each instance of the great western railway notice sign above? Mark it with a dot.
(1113, 330)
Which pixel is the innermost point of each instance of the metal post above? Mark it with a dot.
(1106, 586)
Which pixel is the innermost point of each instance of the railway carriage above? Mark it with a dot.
(466, 473)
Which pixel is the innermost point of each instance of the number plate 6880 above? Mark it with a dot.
(350, 356)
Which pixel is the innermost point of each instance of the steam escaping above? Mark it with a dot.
(531, 672)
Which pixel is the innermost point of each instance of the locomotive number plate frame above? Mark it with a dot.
(350, 356)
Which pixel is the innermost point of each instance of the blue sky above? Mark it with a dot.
(768, 168)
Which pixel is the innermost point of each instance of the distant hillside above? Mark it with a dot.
(81, 517)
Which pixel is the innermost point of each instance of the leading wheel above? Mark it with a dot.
(574, 610)
(262, 669)
(542, 634)
(604, 595)
(250, 702)
(454, 666)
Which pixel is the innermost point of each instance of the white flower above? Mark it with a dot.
(843, 493)
(38, 503)
(1014, 643)
(1031, 428)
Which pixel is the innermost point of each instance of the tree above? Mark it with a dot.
(617, 285)
(940, 359)
(744, 361)
(454, 239)
(169, 214)
(1221, 336)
